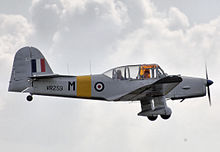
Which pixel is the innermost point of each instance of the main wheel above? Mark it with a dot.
(165, 116)
(152, 118)
(29, 98)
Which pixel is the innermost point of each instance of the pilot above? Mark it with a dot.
(119, 75)
(146, 74)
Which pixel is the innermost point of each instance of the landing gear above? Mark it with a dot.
(152, 118)
(29, 98)
(165, 116)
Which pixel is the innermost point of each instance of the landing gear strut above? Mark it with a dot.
(29, 98)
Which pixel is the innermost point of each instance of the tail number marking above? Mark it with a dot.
(55, 88)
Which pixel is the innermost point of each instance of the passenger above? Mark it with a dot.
(119, 75)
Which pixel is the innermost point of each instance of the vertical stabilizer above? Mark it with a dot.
(28, 62)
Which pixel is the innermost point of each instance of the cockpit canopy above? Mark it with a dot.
(138, 72)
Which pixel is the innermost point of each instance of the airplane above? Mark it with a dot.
(146, 83)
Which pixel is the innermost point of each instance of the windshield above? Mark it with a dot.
(139, 72)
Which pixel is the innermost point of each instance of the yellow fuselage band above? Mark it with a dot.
(83, 86)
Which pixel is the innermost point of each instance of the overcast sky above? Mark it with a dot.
(178, 35)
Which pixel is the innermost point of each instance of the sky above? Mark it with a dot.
(180, 36)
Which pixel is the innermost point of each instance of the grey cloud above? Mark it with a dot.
(155, 41)
(177, 20)
(45, 17)
(93, 26)
(15, 7)
(86, 28)
(14, 31)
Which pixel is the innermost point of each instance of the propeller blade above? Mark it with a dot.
(206, 72)
(209, 96)
(209, 82)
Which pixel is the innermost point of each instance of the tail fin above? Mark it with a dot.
(28, 62)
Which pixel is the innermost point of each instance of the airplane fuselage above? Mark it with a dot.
(103, 88)
(90, 87)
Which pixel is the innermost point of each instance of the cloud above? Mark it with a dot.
(108, 28)
(93, 26)
(155, 41)
(14, 33)
(177, 20)
(45, 19)
(78, 27)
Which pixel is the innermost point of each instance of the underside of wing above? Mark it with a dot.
(159, 88)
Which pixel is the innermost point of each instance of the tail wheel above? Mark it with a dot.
(165, 116)
(152, 118)
(29, 98)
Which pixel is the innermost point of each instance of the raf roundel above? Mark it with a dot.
(99, 86)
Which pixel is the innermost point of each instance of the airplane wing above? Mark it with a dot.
(159, 88)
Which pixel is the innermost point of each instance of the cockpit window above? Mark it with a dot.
(134, 72)
(138, 72)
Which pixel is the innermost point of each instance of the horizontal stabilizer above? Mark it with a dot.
(49, 76)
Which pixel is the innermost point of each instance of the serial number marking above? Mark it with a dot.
(55, 88)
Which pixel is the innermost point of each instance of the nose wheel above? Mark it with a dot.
(29, 98)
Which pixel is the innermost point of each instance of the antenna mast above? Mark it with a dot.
(90, 67)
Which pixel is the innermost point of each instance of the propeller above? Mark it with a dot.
(209, 82)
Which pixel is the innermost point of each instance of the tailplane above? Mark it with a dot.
(28, 62)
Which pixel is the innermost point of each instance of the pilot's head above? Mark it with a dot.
(118, 71)
(147, 73)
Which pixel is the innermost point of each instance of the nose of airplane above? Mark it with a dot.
(209, 82)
